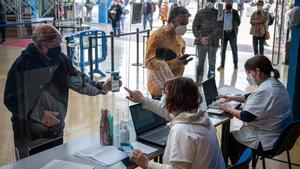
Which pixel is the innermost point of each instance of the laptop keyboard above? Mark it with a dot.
(160, 135)
(215, 104)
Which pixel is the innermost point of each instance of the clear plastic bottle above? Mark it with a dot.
(124, 134)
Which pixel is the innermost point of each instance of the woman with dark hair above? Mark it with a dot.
(267, 110)
(192, 141)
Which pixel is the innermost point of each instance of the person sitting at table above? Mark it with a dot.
(192, 141)
(267, 110)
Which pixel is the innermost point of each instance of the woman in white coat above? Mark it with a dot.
(266, 112)
(192, 142)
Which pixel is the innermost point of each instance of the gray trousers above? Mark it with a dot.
(201, 54)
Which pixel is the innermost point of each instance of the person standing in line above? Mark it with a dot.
(159, 8)
(207, 31)
(231, 24)
(3, 20)
(123, 15)
(241, 7)
(169, 39)
(259, 28)
(148, 14)
(164, 11)
(114, 14)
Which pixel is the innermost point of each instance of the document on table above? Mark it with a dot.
(143, 147)
(102, 154)
(61, 164)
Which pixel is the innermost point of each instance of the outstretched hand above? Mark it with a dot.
(135, 96)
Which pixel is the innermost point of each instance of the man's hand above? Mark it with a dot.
(204, 41)
(135, 96)
(49, 119)
(106, 86)
(140, 159)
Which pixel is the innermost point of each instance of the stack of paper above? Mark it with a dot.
(60, 164)
(105, 155)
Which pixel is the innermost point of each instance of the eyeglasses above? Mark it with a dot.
(163, 92)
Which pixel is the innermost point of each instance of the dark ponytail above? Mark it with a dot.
(276, 74)
(263, 64)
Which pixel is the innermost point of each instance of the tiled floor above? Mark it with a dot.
(83, 112)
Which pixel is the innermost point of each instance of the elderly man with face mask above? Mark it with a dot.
(37, 87)
(169, 40)
(207, 31)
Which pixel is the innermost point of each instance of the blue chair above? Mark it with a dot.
(285, 142)
(244, 159)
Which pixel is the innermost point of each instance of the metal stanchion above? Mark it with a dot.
(90, 53)
(112, 51)
(137, 49)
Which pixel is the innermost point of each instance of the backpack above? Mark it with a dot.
(153, 7)
(113, 12)
(148, 8)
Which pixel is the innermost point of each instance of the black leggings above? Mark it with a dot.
(236, 149)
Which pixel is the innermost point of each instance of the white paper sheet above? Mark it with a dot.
(143, 147)
(103, 154)
(60, 164)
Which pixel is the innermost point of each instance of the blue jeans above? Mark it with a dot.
(232, 38)
(148, 18)
(258, 41)
(201, 54)
(116, 27)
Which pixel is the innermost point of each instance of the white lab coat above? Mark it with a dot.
(271, 105)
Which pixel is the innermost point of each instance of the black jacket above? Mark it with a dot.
(236, 20)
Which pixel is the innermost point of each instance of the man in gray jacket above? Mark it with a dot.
(37, 90)
(207, 31)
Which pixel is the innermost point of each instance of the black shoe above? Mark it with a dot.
(220, 68)
(235, 67)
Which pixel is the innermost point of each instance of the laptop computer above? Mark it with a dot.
(211, 93)
(148, 126)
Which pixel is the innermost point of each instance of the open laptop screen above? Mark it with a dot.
(144, 120)
(210, 90)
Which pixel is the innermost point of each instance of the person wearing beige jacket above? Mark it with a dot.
(192, 142)
(259, 28)
(167, 38)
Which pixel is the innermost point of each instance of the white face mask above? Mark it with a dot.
(251, 80)
(163, 100)
(180, 30)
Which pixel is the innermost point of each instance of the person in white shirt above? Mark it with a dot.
(267, 110)
(192, 141)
